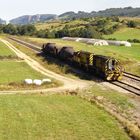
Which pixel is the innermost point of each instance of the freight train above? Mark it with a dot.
(105, 67)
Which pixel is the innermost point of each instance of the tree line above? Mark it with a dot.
(30, 30)
(95, 29)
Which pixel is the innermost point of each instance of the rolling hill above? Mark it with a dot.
(27, 19)
(123, 12)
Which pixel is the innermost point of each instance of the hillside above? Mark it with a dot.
(33, 18)
(127, 11)
(125, 34)
(123, 12)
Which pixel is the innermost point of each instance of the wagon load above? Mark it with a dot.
(50, 48)
(66, 53)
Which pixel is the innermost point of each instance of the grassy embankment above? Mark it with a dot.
(128, 56)
(13, 72)
(55, 117)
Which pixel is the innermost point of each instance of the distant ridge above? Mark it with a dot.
(27, 19)
(2, 21)
(127, 11)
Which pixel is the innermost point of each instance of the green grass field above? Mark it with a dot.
(125, 34)
(5, 51)
(128, 56)
(121, 101)
(55, 118)
(12, 71)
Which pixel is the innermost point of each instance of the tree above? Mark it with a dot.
(131, 24)
(1, 28)
(90, 32)
(41, 33)
(26, 30)
(50, 34)
(10, 29)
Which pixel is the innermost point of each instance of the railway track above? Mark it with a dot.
(26, 44)
(131, 76)
(129, 87)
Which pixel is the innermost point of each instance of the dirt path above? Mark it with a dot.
(69, 84)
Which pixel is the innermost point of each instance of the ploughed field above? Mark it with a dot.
(128, 56)
(55, 117)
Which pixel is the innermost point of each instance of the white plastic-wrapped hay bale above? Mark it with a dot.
(78, 39)
(46, 81)
(115, 43)
(119, 43)
(70, 38)
(98, 43)
(28, 81)
(126, 43)
(92, 42)
(101, 43)
(84, 40)
(37, 82)
(104, 43)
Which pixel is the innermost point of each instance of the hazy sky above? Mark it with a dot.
(13, 8)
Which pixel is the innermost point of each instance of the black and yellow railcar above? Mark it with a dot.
(83, 59)
(107, 67)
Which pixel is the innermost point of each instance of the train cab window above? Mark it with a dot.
(111, 64)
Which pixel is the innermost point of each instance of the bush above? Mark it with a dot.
(134, 40)
(87, 32)
(132, 24)
(41, 33)
(26, 30)
(112, 39)
(10, 29)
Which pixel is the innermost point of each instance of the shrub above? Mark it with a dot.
(132, 24)
(134, 40)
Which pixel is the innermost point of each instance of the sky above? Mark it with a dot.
(10, 9)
